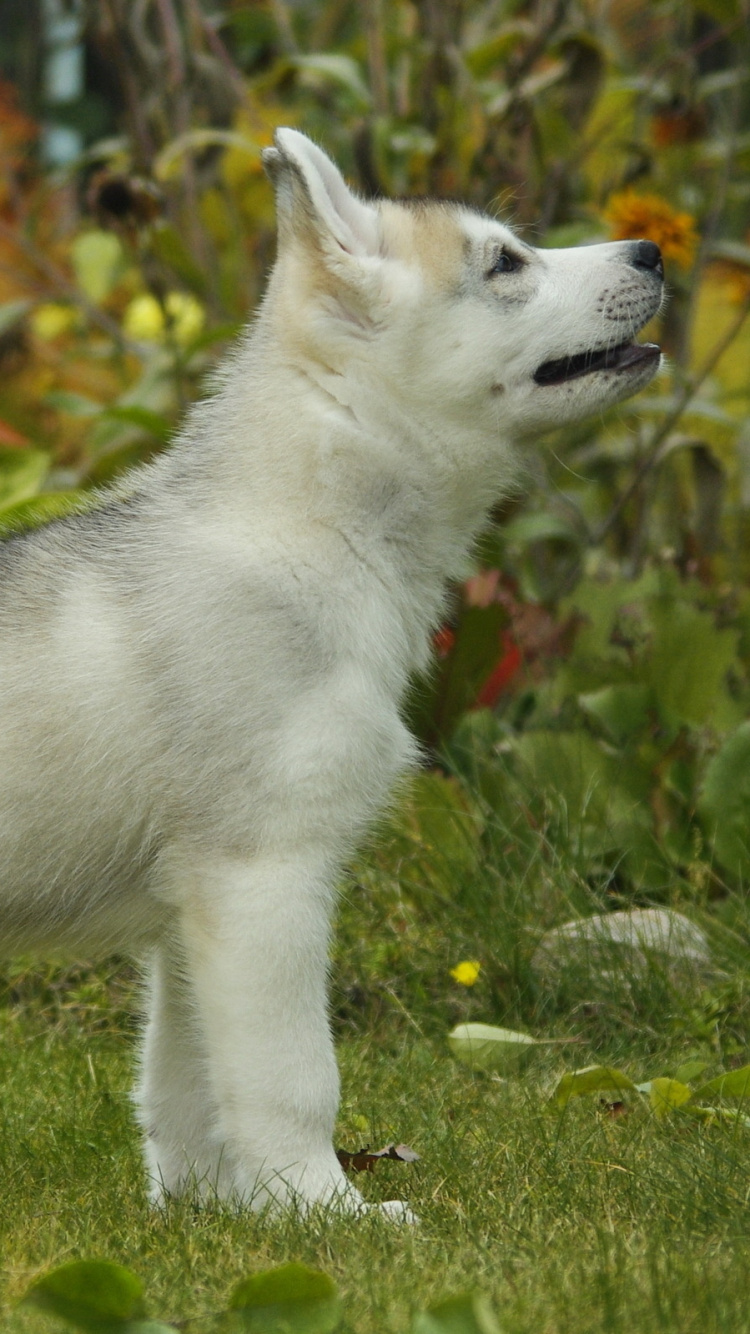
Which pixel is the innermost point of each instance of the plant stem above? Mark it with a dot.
(71, 292)
(688, 392)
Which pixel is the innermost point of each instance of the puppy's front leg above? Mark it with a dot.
(254, 939)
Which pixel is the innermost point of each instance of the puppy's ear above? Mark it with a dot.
(313, 202)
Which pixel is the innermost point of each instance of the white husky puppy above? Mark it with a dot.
(201, 679)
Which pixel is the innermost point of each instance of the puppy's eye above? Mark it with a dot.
(504, 262)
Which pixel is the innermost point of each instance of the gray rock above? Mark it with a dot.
(621, 943)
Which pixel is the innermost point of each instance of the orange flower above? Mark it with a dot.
(631, 216)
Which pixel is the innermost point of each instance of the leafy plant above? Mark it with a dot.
(665, 1095)
(100, 1297)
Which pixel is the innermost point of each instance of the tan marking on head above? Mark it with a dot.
(429, 235)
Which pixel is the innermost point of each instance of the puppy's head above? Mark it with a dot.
(448, 312)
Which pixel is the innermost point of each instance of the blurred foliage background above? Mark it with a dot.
(593, 682)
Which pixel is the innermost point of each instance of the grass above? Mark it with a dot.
(572, 1223)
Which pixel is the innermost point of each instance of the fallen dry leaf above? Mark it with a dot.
(364, 1160)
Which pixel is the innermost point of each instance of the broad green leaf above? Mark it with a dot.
(467, 1313)
(152, 422)
(599, 604)
(734, 1084)
(622, 710)
(690, 1070)
(93, 1295)
(167, 163)
(290, 1300)
(78, 405)
(143, 1327)
(97, 262)
(591, 1079)
(667, 1094)
(724, 11)
(432, 838)
(539, 526)
(339, 69)
(724, 803)
(492, 55)
(22, 472)
(484, 1047)
(610, 131)
(689, 660)
(11, 313)
(595, 791)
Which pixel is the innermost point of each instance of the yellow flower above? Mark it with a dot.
(186, 316)
(145, 319)
(466, 972)
(51, 320)
(632, 216)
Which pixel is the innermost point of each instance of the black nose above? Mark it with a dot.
(647, 255)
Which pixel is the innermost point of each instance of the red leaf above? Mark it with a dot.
(502, 675)
(443, 640)
(12, 438)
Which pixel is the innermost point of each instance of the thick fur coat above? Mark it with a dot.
(201, 679)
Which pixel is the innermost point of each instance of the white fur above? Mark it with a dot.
(201, 680)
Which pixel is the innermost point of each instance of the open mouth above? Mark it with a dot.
(624, 357)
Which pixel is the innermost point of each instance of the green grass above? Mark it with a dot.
(571, 1222)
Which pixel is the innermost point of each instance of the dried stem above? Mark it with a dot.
(67, 289)
(655, 450)
(372, 21)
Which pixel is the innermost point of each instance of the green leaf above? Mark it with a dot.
(93, 1295)
(540, 526)
(290, 1300)
(468, 1313)
(622, 710)
(219, 333)
(22, 472)
(734, 1084)
(724, 804)
(152, 422)
(97, 262)
(484, 1047)
(433, 836)
(339, 69)
(169, 247)
(38, 510)
(78, 405)
(724, 11)
(493, 53)
(689, 660)
(690, 1070)
(166, 164)
(143, 1327)
(591, 1079)
(665, 1095)
(11, 313)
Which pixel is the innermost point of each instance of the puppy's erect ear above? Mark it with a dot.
(313, 201)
